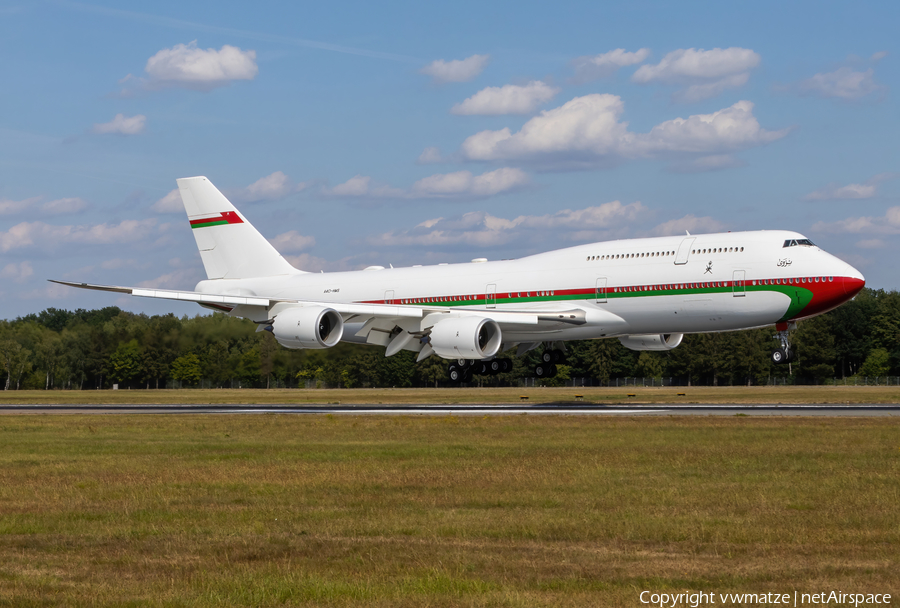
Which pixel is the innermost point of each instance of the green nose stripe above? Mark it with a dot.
(800, 297)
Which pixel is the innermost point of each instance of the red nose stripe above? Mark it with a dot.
(852, 286)
(828, 295)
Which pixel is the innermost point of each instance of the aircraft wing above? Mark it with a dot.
(350, 311)
(371, 323)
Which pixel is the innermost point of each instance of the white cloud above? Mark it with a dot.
(270, 188)
(430, 156)
(121, 125)
(56, 207)
(62, 206)
(703, 74)
(585, 133)
(887, 224)
(878, 56)
(17, 272)
(185, 65)
(170, 203)
(362, 186)
(48, 236)
(843, 83)
(834, 191)
(591, 67)
(463, 183)
(460, 184)
(183, 278)
(457, 70)
(292, 241)
(871, 244)
(484, 230)
(695, 225)
(8, 207)
(508, 99)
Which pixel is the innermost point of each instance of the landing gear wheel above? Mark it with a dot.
(785, 354)
(495, 366)
(541, 370)
(481, 368)
(553, 371)
(505, 366)
(456, 374)
(553, 356)
(462, 362)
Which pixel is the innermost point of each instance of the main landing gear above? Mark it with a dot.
(547, 367)
(462, 370)
(784, 354)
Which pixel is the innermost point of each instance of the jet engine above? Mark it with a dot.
(308, 327)
(465, 338)
(651, 341)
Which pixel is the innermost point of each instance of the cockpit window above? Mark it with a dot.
(795, 242)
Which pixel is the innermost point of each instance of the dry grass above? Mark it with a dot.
(277, 510)
(606, 396)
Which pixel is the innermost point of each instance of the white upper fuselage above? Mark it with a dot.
(677, 284)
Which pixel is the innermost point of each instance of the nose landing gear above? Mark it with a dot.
(784, 354)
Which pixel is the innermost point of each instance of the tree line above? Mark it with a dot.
(95, 349)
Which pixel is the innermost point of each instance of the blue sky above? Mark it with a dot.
(354, 134)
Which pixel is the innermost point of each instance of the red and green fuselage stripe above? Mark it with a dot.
(226, 217)
(801, 294)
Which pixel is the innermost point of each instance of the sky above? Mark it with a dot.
(356, 133)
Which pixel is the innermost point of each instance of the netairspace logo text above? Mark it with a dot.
(701, 598)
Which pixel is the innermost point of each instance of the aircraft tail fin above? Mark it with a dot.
(231, 248)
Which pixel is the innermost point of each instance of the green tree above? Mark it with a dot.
(13, 356)
(649, 365)
(125, 362)
(878, 363)
(814, 348)
(186, 368)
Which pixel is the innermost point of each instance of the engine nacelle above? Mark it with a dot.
(465, 338)
(308, 327)
(651, 341)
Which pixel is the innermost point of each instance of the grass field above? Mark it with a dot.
(279, 510)
(604, 396)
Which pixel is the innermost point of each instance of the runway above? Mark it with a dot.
(560, 409)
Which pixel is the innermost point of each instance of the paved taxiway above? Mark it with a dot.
(566, 409)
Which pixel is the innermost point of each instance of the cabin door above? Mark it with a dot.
(684, 251)
(737, 282)
(490, 296)
(600, 293)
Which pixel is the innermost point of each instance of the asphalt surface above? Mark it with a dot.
(567, 409)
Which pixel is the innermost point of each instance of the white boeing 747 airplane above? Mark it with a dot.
(646, 292)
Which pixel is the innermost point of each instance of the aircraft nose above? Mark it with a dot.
(853, 285)
(828, 293)
(853, 282)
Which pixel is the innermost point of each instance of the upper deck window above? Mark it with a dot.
(795, 242)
